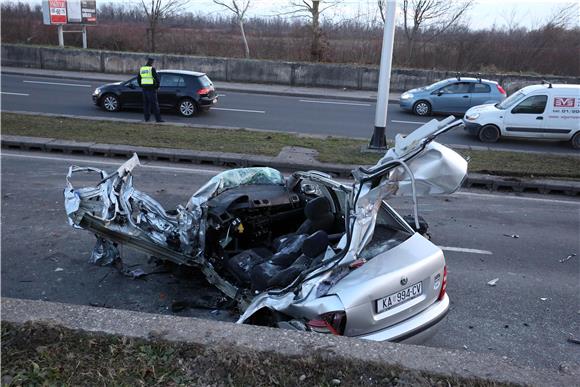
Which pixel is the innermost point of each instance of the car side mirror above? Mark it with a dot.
(130, 85)
(437, 93)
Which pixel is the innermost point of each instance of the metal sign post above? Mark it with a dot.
(378, 141)
(60, 35)
(84, 36)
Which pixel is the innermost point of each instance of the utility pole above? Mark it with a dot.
(378, 141)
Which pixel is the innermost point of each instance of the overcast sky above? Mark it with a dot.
(484, 14)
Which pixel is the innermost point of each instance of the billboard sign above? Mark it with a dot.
(69, 11)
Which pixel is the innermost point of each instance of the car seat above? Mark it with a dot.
(318, 217)
(269, 274)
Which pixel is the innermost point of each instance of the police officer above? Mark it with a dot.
(149, 82)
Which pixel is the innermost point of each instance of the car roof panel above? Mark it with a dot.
(182, 72)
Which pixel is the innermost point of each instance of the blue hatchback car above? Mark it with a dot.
(453, 95)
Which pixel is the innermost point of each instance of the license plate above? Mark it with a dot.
(400, 297)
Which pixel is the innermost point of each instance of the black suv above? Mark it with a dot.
(186, 91)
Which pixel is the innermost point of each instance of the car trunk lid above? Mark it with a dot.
(394, 286)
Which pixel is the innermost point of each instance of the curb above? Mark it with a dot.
(277, 351)
(249, 88)
(236, 160)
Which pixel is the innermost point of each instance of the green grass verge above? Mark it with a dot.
(45, 355)
(331, 149)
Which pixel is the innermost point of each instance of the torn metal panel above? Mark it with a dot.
(104, 253)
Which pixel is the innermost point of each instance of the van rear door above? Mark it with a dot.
(526, 119)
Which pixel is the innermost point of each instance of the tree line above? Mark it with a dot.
(432, 35)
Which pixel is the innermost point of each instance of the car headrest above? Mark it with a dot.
(317, 208)
(315, 244)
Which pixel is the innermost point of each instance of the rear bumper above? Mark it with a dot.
(471, 127)
(415, 329)
(207, 102)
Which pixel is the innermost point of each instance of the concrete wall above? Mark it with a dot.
(246, 70)
(74, 60)
(21, 56)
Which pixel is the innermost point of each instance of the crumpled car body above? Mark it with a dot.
(304, 252)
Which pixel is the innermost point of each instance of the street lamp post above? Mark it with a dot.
(378, 141)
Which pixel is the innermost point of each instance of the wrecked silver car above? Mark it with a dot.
(304, 252)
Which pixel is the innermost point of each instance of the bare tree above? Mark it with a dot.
(512, 20)
(436, 15)
(157, 10)
(563, 17)
(238, 8)
(547, 34)
(313, 9)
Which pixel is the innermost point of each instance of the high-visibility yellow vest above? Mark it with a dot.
(146, 73)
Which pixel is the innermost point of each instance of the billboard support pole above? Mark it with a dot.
(84, 36)
(60, 36)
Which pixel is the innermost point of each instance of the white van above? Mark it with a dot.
(540, 111)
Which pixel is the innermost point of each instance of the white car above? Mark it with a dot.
(543, 111)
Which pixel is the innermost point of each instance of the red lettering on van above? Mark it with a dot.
(564, 102)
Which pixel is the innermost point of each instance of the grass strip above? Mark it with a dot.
(46, 355)
(331, 149)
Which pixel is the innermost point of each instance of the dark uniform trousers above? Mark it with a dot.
(150, 104)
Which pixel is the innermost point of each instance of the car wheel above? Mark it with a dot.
(576, 141)
(489, 133)
(187, 107)
(422, 108)
(110, 103)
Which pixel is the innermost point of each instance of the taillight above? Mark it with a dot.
(203, 91)
(332, 322)
(443, 284)
(500, 89)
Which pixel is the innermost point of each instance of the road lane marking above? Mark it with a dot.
(465, 250)
(82, 162)
(240, 110)
(57, 83)
(491, 196)
(409, 122)
(335, 102)
(21, 94)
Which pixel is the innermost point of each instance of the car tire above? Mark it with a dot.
(575, 141)
(422, 108)
(187, 107)
(489, 133)
(110, 102)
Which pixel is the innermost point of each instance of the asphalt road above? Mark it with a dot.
(269, 112)
(526, 317)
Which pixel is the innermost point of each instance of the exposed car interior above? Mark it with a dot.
(264, 236)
